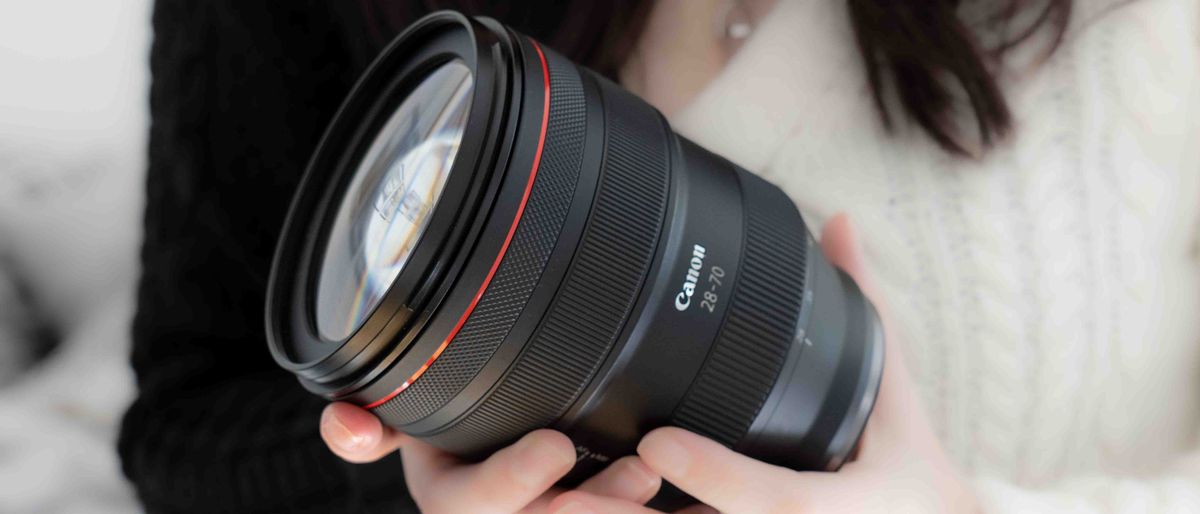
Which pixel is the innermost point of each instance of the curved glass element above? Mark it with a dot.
(386, 207)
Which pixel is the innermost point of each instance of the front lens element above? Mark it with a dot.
(386, 207)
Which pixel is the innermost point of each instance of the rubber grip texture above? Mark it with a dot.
(745, 360)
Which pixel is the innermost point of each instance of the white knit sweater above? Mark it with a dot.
(1048, 295)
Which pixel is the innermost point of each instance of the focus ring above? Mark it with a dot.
(518, 274)
(598, 293)
(746, 358)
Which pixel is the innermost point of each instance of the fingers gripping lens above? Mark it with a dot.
(386, 207)
(528, 245)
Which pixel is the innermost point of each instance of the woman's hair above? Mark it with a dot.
(933, 59)
(926, 54)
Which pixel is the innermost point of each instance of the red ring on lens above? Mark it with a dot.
(537, 160)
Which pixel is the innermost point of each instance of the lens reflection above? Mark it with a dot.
(386, 207)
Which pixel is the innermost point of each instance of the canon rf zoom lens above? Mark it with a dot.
(491, 239)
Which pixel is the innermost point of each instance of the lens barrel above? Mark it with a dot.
(585, 269)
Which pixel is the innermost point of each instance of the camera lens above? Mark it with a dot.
(490, 239)
(386, 207)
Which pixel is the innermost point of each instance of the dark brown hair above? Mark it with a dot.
(926, 54)
(931, 57)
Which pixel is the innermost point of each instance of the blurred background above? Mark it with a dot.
(73, 118)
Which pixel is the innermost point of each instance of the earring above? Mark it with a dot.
(735, 23)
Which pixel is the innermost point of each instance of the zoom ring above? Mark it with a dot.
(746, 358)
(598, 293)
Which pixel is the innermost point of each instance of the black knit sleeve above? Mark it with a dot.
(241, 91)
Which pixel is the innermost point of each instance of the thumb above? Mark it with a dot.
(356, 435)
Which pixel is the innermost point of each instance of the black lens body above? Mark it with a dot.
(585, 269)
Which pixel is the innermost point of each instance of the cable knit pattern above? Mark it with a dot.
(1047, 294)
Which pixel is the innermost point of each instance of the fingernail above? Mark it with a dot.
(573, 507)
(664, 454)
(339, 435)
